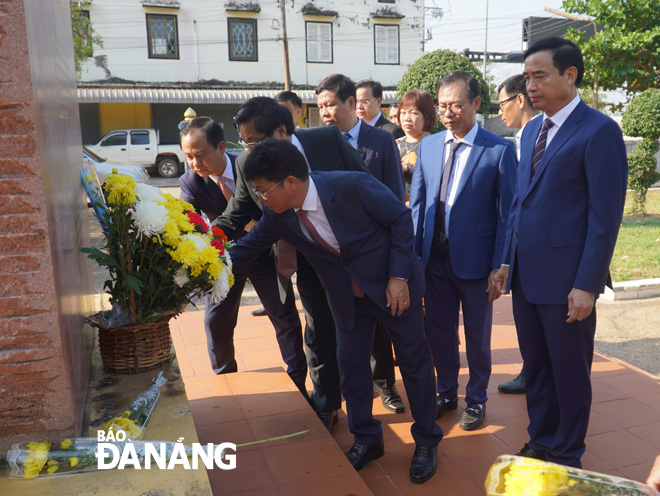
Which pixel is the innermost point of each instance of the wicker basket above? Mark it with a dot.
(133, 349)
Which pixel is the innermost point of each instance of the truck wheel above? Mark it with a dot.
(168, 167)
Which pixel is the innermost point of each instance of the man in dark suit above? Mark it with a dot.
(336, 96)
(324, 149)
(369, 97)
(460, 196)
(562, 231)
(358, 237)
(208, 185)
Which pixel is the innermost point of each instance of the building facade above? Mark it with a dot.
(161, 56)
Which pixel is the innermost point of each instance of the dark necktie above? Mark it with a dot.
(302, 215)
(444, 185)
(348, 136)
(539, 148)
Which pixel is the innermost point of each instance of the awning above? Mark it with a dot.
(189, 96)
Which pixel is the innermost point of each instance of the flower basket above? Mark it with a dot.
(134, 348)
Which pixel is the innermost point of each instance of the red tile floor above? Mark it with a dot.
(261, 402)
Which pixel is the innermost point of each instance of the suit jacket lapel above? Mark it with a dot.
(436, 178)
(364, 139)
(333, 212)
(475, 154)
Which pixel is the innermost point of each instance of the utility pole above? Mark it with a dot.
(574, 17)
(285, 42)
(486, 45)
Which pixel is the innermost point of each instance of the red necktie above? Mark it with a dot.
(539, 148)
(302, 215)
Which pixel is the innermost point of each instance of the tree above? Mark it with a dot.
(426, 71)
(642, 119)
(626, 48)
(84, 36)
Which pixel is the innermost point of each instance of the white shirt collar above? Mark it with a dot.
(468, 139)
(355, 130)
(373, 121)
(560, 116)
(311, 203)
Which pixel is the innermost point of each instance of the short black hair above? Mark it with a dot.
(266, 114)
(289, 96)
(342, 86)
(275, 160)
(376, 87)
(514, 86)
(565, 54)
(211, 129)
(471, 83)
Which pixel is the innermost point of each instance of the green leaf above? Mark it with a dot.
(133, 283)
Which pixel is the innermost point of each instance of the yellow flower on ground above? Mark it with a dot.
(36, 459)
(534, 478)
(124, 424)
(64, 445)
(52, 466)
(73, 461)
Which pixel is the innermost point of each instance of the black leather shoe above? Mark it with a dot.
(473, 417)
(445, 405)
(261, 312)
(423, 463)
(329, 419)
(528, 452)
(361, 454)
(514, 386)
(390, 398)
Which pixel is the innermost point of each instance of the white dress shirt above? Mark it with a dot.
(316, 215)
(373, 121)
(460, 159)
(559, 118)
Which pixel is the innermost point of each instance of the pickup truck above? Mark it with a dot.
(141, 146)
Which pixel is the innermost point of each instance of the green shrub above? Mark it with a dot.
(642, 172)
(642, 117)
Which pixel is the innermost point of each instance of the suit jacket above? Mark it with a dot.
(381, 155)
(374, 231)
(390, 127)
(203, 193)
(325, 148)
(477, 222)
(564, 223)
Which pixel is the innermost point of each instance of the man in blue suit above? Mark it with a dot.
(460, 196)
(358, 237)
(336, 98)
(209, 185)
(562, 230)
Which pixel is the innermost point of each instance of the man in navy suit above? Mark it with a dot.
(562, 230)
(208, 185)
(358, 237)
(336, 97)
(460, 196)
(324, 148)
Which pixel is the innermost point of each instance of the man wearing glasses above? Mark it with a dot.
(460, 207)
(324, 149)
(369, 99)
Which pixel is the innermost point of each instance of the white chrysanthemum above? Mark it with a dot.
(200, 241)
(181, 277)
(227, 260)
(150, 218)
(149, 193)
(220, 287)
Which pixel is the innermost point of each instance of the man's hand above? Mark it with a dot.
(492, 290)
(654, 476)
(500, 279)
(398, 298)
(580, 305)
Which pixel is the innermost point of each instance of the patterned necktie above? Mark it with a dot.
(539, 148)
(226, 188)
(444, 185)
(302, 215)
(348, 136)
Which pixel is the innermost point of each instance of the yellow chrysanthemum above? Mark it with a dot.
(121, 189)
(73, 461)
(534, 478)
(124, 424)
(36, 459)
(52, 466)
(186, 254)
(171, 234)
(64, 445)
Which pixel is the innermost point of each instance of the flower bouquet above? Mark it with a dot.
(159, 254)
(518, 476)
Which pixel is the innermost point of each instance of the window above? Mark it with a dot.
(386, 44)
(319, 42)
(139, 137)
(386, 1)
(162, 36)
(242, 39)
(118, 139)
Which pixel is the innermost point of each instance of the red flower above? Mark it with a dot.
(218, 245)
(197, 220)
(218, 233)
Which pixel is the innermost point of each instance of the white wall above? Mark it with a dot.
(122, 25)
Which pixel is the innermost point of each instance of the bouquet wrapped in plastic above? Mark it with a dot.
(518, 476)
(133, 420)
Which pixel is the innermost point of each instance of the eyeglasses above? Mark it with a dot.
(503, 103)
(455, 108)
(264, 196)
(364, 103)
(250, 144)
